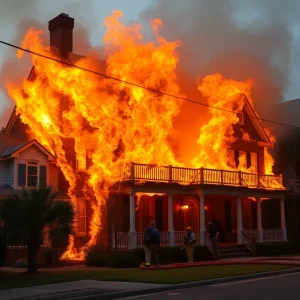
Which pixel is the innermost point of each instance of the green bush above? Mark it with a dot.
(3, 246)
(277, 248)
(133, 258)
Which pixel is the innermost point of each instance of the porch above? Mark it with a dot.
(194, 197)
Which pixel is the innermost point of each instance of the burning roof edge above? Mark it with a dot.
(256, 121)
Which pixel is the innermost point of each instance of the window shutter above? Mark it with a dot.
(43, 176)
(21, 174)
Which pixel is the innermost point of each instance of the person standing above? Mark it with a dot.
(151, 245)
(214, 233)
(190, 243)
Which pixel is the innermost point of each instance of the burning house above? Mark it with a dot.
(113, 143)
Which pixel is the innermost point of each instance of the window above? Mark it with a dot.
(81, 217)
(231, 159)
(254, 162)
(242, 160)
(31, 174)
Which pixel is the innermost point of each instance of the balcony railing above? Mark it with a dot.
(170, 174)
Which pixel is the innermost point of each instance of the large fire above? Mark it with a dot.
(114, 123)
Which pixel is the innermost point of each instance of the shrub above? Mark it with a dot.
(133, 258)
(51, 255)
(277, 248)
(3, 246)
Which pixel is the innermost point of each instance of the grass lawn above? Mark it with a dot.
(13, 280)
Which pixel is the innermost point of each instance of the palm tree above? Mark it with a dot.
(33, 214)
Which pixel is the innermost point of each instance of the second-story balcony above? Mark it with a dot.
(188, 176)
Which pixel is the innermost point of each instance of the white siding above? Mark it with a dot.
(31, 153)
(53, 176)
(7, 172)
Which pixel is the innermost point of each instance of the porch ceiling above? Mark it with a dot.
(207, 189)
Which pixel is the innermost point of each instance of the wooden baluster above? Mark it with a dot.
(222, 177)
(170, 173)
(132, 171)
(240, 178)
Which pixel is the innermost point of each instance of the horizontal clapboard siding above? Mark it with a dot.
(7, 172)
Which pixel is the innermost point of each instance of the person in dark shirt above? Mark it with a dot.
(214, 232)
(151, 245)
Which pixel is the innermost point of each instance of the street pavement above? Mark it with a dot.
(73, 289)
(271, 288)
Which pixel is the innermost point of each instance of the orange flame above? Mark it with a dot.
(114, 123)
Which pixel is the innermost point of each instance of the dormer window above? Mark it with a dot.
(32, 174)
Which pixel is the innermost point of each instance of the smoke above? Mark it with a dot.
(238, 38)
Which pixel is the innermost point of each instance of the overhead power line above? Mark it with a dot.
(138, 85)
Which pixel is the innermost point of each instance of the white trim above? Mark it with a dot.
(33, 143)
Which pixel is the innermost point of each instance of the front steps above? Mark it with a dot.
(234, 251)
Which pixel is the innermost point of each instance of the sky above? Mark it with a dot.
(259, 32)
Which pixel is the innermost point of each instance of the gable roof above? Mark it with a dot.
(256, 122)
(11, 145)
(8, 142)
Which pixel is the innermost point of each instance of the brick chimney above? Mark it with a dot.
(61, 35)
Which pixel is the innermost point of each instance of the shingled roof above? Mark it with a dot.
(10, 143)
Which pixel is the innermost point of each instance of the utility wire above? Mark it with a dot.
(138, 85)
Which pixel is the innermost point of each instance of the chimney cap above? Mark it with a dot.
(62, 20)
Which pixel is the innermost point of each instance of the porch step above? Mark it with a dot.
(234, 251)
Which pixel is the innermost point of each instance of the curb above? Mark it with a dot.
(220, 263)
(132, 293)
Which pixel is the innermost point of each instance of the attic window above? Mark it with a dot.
(241, 119)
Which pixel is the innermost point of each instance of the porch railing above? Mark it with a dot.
(249, 242)
(120, 239)
(144, 172)
(270, 235)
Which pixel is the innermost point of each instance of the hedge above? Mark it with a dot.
(133, 258)
(277, 248)
(3, 246)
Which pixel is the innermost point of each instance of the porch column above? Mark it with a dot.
(202, 220)
(282, 219)
(260, 237)
(170, 221)
(239, 220)
(132, 241)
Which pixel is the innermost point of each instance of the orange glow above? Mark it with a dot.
(113, 123)
(184, 207)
